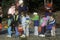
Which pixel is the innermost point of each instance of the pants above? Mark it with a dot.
(23, 25)
(51, 27)
(10, 32)
(43, 30)
(52, 32)
(36, 30)
(16, 31)
(27, 29)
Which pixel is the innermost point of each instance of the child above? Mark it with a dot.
(51, 26)
(49, 12)
(15, 22)
(23, 23)
(43, 24)
(9, 20)
(27, 24)
(36, 23)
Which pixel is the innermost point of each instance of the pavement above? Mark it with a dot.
(3, 36)
(32, 37)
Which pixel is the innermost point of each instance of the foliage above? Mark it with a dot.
(6, 4)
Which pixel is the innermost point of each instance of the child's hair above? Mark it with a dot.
(27, 14)
(9, 15)
(22, 13)
(16, 11)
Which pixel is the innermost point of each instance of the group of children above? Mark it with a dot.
(47, 23)
(44, 25)
(21, 22)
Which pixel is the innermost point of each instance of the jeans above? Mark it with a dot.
(16, 31)
(10, 32)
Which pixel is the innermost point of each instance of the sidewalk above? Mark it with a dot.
(32, 37)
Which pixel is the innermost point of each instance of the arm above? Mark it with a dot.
(52, 22)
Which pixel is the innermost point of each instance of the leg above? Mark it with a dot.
(42, 32)
(9, 32)
(53, 32)
(36, 30)
(24, 29)
(27, 30)
(16, 31)
(44, 29)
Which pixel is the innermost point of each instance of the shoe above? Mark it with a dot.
(53, 35)
(41, 35)
(23, 36)
(9, 36)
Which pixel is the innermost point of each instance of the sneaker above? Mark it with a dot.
(9, 36)
(23, 36)
(41, 35)
(53, 35)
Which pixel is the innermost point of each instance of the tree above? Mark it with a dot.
(6, 4)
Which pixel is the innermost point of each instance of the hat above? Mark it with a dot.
(20, 1)
(35, 13)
